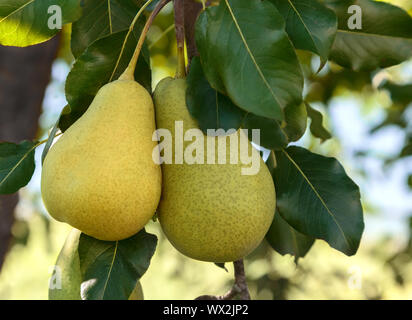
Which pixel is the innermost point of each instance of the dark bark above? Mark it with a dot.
(24, 75)
(192, 10)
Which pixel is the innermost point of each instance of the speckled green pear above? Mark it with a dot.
(210, 212)
(100, 176)
(68, 263)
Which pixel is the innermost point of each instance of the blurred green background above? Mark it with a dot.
(371, 130)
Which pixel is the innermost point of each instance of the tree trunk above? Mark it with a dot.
(24, 75)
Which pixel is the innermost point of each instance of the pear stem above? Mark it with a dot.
(180, 38)
(128, 74)
(128, 34)
(239, 288)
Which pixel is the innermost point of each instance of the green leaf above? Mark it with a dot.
(296, 118)
(272, 136)
(100, 19)
(110, 269)
(94, 68)
(271, 162)
(385, 37)
(311, 26)
(318, 199)
(316, 126)
(221, 265)
(400, 93)
(247, 55)
(211, 109)
(68, 272)
(324, 87)
(16, 165)
(284, 239)
(26, 22)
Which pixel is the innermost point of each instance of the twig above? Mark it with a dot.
(239, 287)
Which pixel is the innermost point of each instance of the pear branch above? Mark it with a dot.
(239, 288)
(192, 10)
(180, 37)
(128, 74)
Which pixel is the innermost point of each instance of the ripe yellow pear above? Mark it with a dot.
(100, 176)
(68, 263)
(210, 212)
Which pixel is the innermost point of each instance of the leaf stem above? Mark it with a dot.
(128, 74)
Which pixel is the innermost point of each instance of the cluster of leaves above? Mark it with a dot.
(101, 30)
(248, 75)
(250, 71)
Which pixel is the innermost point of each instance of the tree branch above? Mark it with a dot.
(239, 288)
(24, 75)
(192, 10)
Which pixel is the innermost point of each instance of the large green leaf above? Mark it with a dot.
(94, 68)
(385, 38)
(317, 198)
(247, 55)
(272, 136)
(296, 120)
(16, 165)
(275, 135)
(311, 25)
(214, 110)
(25, 22)
(284, 239)
(211, 109)
(100, 19)
(110, 269)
